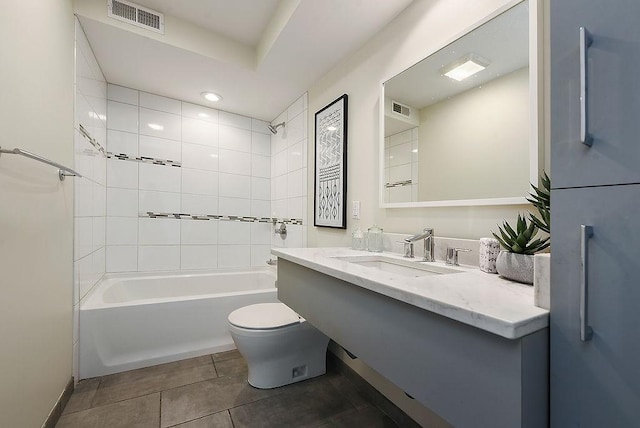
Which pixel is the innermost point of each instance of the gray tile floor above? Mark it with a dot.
(212, 391)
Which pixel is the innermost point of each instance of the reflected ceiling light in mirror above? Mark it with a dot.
(331, 128)
(211, 96)
(465, 67)
(155, 126)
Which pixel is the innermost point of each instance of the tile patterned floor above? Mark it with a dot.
(212, 391)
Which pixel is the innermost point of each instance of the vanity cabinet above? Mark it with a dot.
(468, 376)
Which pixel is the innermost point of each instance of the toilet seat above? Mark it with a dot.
(264, 316)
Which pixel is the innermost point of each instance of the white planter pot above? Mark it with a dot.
(516, 267)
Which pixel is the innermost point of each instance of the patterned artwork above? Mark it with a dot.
(330, 165)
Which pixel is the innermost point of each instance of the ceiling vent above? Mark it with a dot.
(401, 109)
(136, 15)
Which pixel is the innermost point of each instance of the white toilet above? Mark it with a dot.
(280, 347)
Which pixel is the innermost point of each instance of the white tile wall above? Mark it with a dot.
(163, 202)
(158, 231)
(90, 194)
(234, 138)
(199, 182)
(158, 258)
(234, 256)
(160, 124)
(199, 256)
(234, 162)
(239, 206)
(289, 174)
(199, 131)
(199, 232)
(157, 102)
(161, 178)
(160, 148)
(226, 169)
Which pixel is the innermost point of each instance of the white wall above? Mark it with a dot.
(214, 164)
(36, 209)
(481, 133)
(423, 27)
(90, 190)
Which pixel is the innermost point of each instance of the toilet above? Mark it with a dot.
(280, 347)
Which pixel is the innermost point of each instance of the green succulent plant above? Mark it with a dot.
(541, 199)
(521, 240)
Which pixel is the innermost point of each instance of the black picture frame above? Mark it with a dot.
(330, 165)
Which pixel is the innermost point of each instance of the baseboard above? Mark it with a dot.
(365, 388)
(56, 412)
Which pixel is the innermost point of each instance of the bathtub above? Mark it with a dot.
(140, 319)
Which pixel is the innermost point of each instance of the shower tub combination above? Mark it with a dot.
(136, 320)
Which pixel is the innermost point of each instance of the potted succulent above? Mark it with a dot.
(516, 260)
(541, 199)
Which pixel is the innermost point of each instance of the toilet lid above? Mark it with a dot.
(264, 316)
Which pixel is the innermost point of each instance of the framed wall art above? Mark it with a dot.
(330, 184)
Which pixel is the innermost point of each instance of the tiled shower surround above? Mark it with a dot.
(169, 185)
(90, 134)
(189, 187)
(401, 166)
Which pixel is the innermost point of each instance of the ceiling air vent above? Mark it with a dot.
(403, 110)
(136, 15)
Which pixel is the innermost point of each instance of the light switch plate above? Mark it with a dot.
(355, 210)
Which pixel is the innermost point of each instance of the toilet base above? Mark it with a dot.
(284, 356)
(273, 374)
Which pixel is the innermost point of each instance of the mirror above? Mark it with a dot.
(458, 126)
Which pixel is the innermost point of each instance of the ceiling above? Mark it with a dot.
(504, 41)
(260, 55)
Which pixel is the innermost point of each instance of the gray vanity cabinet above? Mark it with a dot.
(595, 265)
(468, 376)
(612, 97)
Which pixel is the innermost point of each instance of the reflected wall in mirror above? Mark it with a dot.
(457, 125)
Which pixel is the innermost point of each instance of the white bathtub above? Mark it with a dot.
(138, 320)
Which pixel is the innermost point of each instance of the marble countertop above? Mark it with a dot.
(472, 297)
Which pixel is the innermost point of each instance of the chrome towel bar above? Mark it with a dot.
(63, 171)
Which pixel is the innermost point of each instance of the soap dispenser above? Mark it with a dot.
(374, 243)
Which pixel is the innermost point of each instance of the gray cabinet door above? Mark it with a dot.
(613, 100)
(596, 383)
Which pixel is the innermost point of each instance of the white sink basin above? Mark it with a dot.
(391, 265)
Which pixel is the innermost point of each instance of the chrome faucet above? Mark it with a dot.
(429, 243)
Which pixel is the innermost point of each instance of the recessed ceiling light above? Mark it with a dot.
(211, 96)
(155, 126)
(465, 67)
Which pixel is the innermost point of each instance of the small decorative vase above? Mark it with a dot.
(516, 267)
(542, 280)
(489, 250)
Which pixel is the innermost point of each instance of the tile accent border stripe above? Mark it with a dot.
(123, 156)
(143, 159)
(398, 184)
(248, 219)
(92, 140)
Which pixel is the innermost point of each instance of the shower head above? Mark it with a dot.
(274, 128)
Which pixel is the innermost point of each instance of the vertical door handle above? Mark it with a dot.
(586, 332)
(585, 42)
